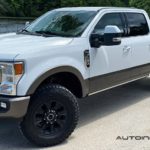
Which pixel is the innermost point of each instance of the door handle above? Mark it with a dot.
(126, 49)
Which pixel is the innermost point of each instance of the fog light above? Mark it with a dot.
(3, 105)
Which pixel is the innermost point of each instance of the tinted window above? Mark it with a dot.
(137, 24)
(109, 19)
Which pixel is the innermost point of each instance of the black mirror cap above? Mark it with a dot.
(96, 40)
(111, 39)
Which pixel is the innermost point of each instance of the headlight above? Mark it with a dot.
(10, 74)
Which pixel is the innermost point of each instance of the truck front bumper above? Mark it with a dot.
(13, 107)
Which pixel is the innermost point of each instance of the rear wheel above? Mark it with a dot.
(52, 116)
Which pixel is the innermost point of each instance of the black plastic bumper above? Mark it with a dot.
(13, 107)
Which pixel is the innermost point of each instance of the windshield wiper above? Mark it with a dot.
(25, 31)
(48, 33)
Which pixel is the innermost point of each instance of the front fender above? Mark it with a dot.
(37, 73)
(69, 69)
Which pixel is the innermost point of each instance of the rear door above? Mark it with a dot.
(138, 35)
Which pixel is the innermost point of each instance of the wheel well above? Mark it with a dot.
(68, 80)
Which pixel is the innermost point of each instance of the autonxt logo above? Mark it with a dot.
(137, 138)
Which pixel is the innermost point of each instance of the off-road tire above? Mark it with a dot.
(43, 97)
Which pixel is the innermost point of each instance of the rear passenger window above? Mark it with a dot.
(109, 19)
(137, 24)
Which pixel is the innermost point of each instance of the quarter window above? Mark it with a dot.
(137, 24)
(109, 19)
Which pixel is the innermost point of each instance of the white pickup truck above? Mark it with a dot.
(69, 53)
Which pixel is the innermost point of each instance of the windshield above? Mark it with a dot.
(62, 23)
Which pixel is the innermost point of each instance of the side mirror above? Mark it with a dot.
(96, 40)
(112, 36)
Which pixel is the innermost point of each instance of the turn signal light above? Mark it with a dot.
(18, 68)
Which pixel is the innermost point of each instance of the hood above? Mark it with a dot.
(12, 44)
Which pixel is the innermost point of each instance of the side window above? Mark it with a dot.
(109, 19)
(137, 24)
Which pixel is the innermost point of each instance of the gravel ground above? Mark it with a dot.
(123, 111)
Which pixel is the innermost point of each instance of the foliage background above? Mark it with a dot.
(34, 8)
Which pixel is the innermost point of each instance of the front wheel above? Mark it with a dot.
(52, 116)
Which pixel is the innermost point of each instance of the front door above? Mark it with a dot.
(109, 64)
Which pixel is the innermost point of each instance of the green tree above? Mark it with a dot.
(33, 8)
(141, 4)
(125, 2)
(92, 3)
(6, 9)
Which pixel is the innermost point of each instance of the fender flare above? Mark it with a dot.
(84, 82)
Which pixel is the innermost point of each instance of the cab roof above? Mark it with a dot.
(95, 8)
